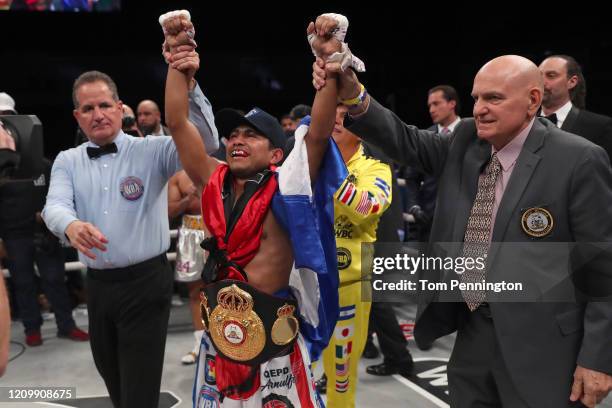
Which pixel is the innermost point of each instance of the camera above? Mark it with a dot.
(127, 122)
(28, 134)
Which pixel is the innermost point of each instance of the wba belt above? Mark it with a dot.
(246, 325)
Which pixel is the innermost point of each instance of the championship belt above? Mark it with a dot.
(246, 325)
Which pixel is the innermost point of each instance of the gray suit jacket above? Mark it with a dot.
(543, 340)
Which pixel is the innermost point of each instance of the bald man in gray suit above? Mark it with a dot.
(548, 226)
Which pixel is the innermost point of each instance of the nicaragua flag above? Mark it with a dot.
(309, 220)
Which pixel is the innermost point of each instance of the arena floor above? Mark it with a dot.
(60, 362)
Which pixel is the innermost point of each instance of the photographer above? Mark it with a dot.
(20, 227)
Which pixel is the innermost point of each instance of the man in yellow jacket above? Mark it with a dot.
(358, 205)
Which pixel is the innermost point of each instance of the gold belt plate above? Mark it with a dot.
(286, 326)
(234, 327)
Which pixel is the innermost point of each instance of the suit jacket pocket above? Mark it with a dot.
(571, 321)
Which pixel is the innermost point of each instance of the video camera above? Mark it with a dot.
(28, 134)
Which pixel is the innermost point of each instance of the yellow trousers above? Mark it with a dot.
(341, 357)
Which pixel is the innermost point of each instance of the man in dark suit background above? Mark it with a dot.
(420, 190)
(444, 107)
(564, 102)
(555, 349)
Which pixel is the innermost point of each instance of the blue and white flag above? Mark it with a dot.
(309, 220)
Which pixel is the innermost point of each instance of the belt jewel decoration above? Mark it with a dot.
(235, 328)
(286, 326)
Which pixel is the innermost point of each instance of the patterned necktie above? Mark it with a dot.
(445, 131)
(476, 241)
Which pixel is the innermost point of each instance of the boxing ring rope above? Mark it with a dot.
(79, 266)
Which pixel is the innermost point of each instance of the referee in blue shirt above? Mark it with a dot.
(109, 198)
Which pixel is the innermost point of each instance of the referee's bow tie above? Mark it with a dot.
(95, 152)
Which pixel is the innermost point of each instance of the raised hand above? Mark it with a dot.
(178, 31)
(321, 37)
(348, 84)
(186, 60)
(326, 37)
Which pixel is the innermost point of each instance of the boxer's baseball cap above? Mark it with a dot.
(258, 119)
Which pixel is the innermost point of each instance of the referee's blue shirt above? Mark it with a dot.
(124, 194)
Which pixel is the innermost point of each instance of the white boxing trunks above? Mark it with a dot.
(190, 257)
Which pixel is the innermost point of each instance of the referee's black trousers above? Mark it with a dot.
(128, 320)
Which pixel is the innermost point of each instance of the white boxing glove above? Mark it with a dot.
(168, 16)
(345, 57)
(176, 13)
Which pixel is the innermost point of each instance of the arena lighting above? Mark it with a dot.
(28, 134)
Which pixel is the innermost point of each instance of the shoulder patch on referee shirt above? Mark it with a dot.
(131, 188)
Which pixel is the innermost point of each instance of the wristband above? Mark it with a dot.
(358, 100)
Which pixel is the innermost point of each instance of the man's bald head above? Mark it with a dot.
(128, 111)
(520, 71)
(148, 117)
(148, 104)
(507, 94)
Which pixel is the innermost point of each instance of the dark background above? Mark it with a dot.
(256, 55)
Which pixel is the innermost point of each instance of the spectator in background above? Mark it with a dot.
(128, 123)
(564, 102)
(288, 124)
(297, 113)
(421, 189)
(149, 119)
(72, 5)
(31, 5)
(443, 104)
